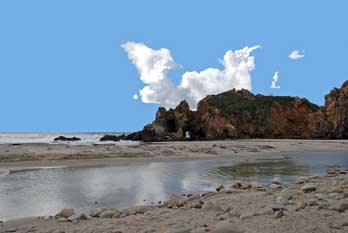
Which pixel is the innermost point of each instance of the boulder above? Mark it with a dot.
(111, 213)
(174, 201)
(78, 217)
(109, 137)
(67, 139)
(219, 188)
(96, 213)
(65, 213)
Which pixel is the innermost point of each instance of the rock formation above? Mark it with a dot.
(67, 139)
(336, 105)
(241, 114)
(109, 137)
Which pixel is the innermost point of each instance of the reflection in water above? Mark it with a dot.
(261, 171)
(45, 192)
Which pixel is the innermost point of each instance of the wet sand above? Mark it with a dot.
(311, 204)
(280, 207)
(19, 156)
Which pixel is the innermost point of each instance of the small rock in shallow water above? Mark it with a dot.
(276, 181)
(219, 188)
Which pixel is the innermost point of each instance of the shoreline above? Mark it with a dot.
(309, 204)
(42, 156)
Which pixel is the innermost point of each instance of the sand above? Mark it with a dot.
(14, 156)
(311, 204)
(280, 207)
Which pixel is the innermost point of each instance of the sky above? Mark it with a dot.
(64, 66)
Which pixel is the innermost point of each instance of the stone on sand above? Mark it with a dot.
(307, 188)
(65, 213)
(174, 201)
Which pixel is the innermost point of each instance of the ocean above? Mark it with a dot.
(86, 138)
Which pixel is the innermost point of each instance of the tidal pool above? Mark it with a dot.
(45, 192)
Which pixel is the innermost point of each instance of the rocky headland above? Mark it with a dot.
(309, 204)
(241, 114)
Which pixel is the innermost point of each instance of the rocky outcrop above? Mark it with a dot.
(241, 114)
(67, 139)
(336, 105)
(109, 137)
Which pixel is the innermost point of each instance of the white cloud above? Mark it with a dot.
(153, 67)
(275, 80)
(294, 55)
(135, 96)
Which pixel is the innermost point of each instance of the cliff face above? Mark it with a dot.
(336, 105)
(241, 114)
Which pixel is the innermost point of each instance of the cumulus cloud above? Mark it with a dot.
(275, 80)
(294, 55)
(135, 96)
(154, 65)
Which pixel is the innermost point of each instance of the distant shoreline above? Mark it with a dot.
(41, 155)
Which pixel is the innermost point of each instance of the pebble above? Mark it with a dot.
(307, 188)
(302, 180)
(62, 220)
(276, 181)
(279, 214)
(276, 186)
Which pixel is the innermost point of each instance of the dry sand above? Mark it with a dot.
(14, 156)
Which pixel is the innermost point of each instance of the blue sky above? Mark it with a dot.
(62, 67)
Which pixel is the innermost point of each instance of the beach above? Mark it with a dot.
(309, 204)
(13, 156)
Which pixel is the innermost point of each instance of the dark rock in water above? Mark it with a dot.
(109, 138)
(241, 114)
(69, 139)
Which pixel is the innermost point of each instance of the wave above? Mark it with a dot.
(86, 138)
